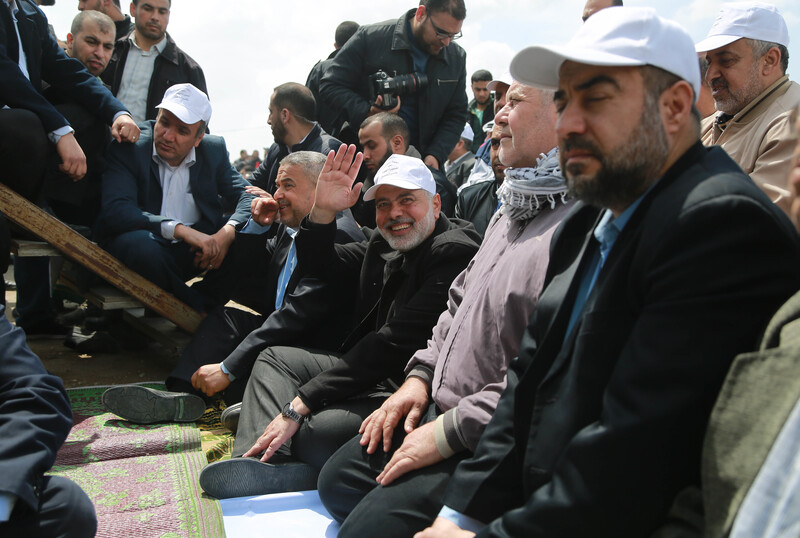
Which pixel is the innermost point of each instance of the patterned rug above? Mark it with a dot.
(142, 479)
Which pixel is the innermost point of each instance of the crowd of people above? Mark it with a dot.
(567, 307)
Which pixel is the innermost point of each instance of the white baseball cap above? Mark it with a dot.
(188, 103)
(488, 127)
(753, 20)
(468, 133)
(404, 172)
(505, 78)
(615, 36)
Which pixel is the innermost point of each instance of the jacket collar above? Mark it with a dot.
(754, 108)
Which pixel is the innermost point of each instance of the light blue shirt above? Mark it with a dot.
(288, 269)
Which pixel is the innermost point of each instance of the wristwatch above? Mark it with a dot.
(291, 414)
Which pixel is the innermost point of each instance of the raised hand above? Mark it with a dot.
(336, 187)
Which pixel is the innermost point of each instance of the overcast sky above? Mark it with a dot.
(247, 47)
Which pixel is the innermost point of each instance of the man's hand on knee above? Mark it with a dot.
(280, 430)
(410, 401)
(417, 451)
(73, 161)
(204, 246)
(210, 379)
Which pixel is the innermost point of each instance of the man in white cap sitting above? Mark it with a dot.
(746, 50)
(461, 160)
(312, 402)
(602, 421)
(162, 205)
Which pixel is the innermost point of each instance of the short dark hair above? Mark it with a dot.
(104, 22)
(482, 75)
(297, 99)
(760, 48)
(344, 32)
(136, 3)
(454, 8)
(391, 126)
(616, 2)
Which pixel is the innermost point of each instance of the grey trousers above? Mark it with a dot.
(277, 375)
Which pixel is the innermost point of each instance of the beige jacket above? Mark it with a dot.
(760, 138)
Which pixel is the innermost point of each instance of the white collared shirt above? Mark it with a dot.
(177, 202)
(136, 75)
(23, 61)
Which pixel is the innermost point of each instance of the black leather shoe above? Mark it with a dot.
(246, 477)
(143, 405)
(230, 417)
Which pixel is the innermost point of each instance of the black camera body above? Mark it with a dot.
(390, 87)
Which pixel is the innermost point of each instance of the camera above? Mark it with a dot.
(390, 87)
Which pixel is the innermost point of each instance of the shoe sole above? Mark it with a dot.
(247, 477)
(144, 405)
(230, 417)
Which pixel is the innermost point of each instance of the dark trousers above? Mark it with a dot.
(408, 505)
(24, 151)
(165, 264)
(64, 511)
(216, 338)
(277, 375)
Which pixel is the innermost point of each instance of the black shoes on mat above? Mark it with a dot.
(230, 417)
(143, 405)
(246, 477)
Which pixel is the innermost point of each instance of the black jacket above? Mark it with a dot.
(46, 62)
(173, 66)
(305, 317)
(328, 118)
(477, 204)
(317, 140)
(395, 307)
(386, 46)
(599, 429)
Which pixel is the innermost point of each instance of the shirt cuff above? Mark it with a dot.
(56, 135)
(227, 372)
(252, 227)
(121, 113)
(168, 229)
(464, 521)
(7, 502)
(440, 438)
(422, 372)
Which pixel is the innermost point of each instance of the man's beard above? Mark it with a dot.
(738, 99)
(420, 230)
(627, 170)
(278, 132)
(389, 153)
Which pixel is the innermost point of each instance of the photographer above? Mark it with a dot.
(420, 42)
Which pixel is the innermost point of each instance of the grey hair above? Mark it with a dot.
(310, 161)
(760, 48)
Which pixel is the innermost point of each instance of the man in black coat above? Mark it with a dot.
(421, 41)
(398, 279)
(35, 418)
(669, 266)
(292, 110)
(133, 61)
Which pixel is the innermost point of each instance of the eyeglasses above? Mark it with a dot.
(441, 34)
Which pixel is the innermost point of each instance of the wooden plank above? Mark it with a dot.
(78, 248)
(26, 248)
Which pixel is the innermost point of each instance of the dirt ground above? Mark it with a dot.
(153, 363)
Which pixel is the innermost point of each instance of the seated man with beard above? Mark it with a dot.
(668, 266)
(383, 135)
(398, 280)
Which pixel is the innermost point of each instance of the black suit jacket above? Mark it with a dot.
(596, 433)
(46, 62)
(35, 416)
(311, 314)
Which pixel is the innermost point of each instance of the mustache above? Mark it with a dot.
(573, 142)
(718, 82)
(404, 220)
